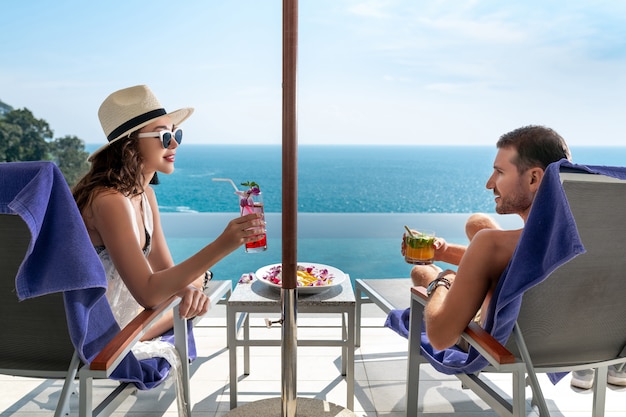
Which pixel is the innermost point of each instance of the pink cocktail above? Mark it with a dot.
(251, 201)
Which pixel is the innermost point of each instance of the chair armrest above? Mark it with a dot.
(420, 292)
(121, 344)
(487, 345)
(474, 334)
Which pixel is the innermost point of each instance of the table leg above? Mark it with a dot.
(344, 345)
(359, 306)
(231, 329)
(246, 345)
(350, 359)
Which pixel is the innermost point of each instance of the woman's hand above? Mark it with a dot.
(193, 302)
(248, 228)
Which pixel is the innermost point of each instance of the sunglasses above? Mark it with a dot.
(165, 136)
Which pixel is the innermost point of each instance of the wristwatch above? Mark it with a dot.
(437, 282)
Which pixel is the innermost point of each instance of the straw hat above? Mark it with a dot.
(130, 109)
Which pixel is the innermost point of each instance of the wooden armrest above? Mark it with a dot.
(475, 334)
(130, 334)
(478, 335)
(421, 293)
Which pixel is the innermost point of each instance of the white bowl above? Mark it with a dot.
(338, 277)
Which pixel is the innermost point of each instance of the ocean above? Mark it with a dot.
(339, 179)
(347, 179)
(342, 179)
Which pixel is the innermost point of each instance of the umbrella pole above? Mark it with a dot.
(289, 295)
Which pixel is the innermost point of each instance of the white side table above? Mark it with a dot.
(259, 298)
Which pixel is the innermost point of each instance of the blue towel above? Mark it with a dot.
(61, 258)
(59, 247)
(549, 240)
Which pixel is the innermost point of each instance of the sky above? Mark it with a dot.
(405, 72)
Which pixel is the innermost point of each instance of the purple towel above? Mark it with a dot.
(61, 258)
(550, 239)
(60, 246)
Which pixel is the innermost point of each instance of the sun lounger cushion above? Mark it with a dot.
(549, 240)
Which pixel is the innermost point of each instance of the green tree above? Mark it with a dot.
(23, 138)
(10, 138)
(70, 156)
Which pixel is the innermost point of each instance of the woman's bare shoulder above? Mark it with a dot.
(107, 201)
(151, 195)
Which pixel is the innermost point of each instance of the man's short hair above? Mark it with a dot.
(537, 146)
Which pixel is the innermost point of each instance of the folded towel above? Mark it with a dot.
(549, 240)
(61, 258)
(148, 373)
(60, 246)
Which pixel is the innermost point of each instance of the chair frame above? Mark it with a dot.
(104, 364)
(112, 354)
(384, 292)
(116, 350)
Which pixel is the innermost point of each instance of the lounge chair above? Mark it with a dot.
(55, 322)
(387, 293)
(35, 336)
(571, 320)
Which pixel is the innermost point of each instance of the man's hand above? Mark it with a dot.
(441, 246)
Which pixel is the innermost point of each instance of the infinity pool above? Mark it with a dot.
(364, 245)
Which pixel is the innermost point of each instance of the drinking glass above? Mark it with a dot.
(419, 248)
(248, 204)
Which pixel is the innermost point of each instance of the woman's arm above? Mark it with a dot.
(113, 217)
(160, 257)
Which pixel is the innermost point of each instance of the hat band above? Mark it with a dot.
(136, 121)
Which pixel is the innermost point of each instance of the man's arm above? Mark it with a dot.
(452, 253)
(449, 252)
(449, 311)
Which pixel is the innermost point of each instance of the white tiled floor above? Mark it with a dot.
(380, 373)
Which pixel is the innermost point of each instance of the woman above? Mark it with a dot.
(120, 211)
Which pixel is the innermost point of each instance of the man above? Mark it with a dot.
(456, 298)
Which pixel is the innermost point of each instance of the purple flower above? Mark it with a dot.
(246, 196)
(246, 278)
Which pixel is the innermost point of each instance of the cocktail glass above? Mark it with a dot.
(419, 248)
(253, 203)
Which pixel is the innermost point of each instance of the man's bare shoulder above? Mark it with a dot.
(500, 233)
(495, 238)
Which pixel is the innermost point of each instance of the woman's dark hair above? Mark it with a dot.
(537, 146)
(117, 167)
